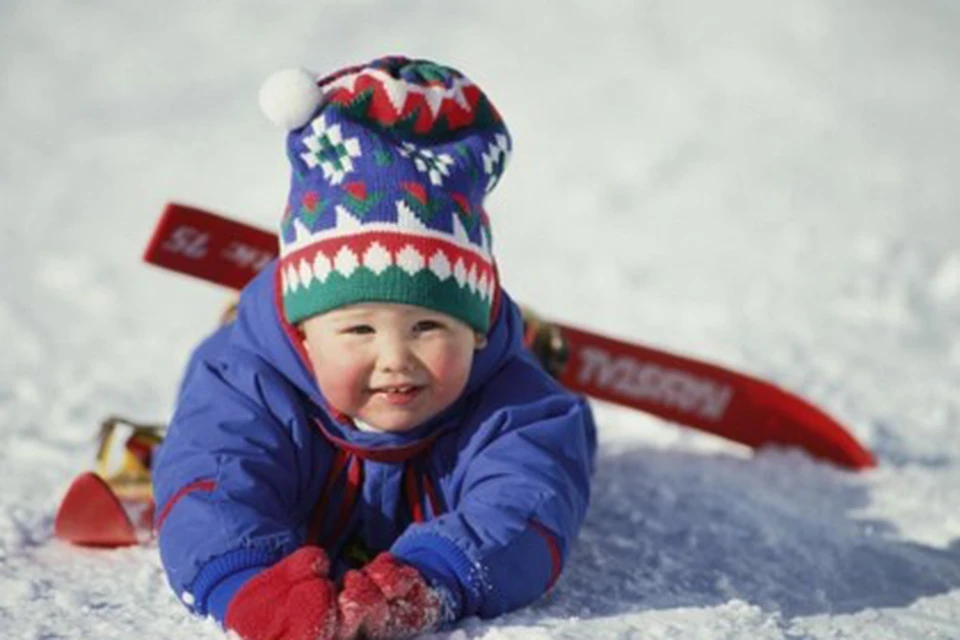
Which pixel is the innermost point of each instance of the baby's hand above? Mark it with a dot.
(386, 600)
(293, 600)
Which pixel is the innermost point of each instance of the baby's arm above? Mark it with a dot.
(231, 478)
(523, 497)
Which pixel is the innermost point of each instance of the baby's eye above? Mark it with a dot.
(426, 325)
(359, 329)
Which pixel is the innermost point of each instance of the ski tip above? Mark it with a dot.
(860, 458)
(850, 454)
(825, 437)
(91, 515)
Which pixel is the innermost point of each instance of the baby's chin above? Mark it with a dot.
(393, 422)
(395, 428)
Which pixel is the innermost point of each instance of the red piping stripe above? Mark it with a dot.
(354, 482)
(317, 519)
(435, 507)
(199, 485)
(413, 496)
(293, 334)
(553, 548)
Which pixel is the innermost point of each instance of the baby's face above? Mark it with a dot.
(393, 366)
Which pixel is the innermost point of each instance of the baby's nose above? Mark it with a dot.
(396, 356)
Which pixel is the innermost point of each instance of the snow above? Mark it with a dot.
(771, 186)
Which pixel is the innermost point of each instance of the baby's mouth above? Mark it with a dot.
(399, 394)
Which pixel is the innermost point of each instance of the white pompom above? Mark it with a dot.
(289, 97)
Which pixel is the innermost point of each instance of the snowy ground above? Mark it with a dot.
(768, 185)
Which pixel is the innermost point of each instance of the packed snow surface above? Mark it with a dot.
(768, 185)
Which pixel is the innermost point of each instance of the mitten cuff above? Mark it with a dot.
(222, 576)
(219, 599)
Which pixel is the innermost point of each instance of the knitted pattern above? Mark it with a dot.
(386, 198)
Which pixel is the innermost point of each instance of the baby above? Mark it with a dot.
(368, 450)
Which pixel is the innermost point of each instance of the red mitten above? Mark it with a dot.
(293, 600)
(386, 600)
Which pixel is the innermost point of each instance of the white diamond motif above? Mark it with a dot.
(440, 265)
(321, 266)
(460, 272)
(306, 273)
(472, 279)
(410, 260)
(377, 258)
(292, 278)
(345, 262)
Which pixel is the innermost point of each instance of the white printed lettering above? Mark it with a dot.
(247, 257)
(188, 242)
(672, 388)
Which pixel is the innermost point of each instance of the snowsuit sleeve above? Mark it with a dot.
(231, 476)
(521, 495)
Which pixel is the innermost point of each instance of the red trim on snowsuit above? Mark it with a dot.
(293, 334)
(199, 485)
(413, 495)
(316, 519)
(553, 548)
(416, 486)
(436, 506)
(354, 485)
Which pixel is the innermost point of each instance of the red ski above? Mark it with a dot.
(679, 389)
(113, 506)
(92, 515)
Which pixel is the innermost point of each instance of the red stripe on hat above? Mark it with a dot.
(393, 242)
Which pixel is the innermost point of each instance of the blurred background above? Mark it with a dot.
(715, 179)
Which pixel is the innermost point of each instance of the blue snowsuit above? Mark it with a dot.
(485, 499)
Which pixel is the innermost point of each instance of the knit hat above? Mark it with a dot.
(391, 163)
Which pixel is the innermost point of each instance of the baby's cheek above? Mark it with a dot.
(452, 370)
(343, 386)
